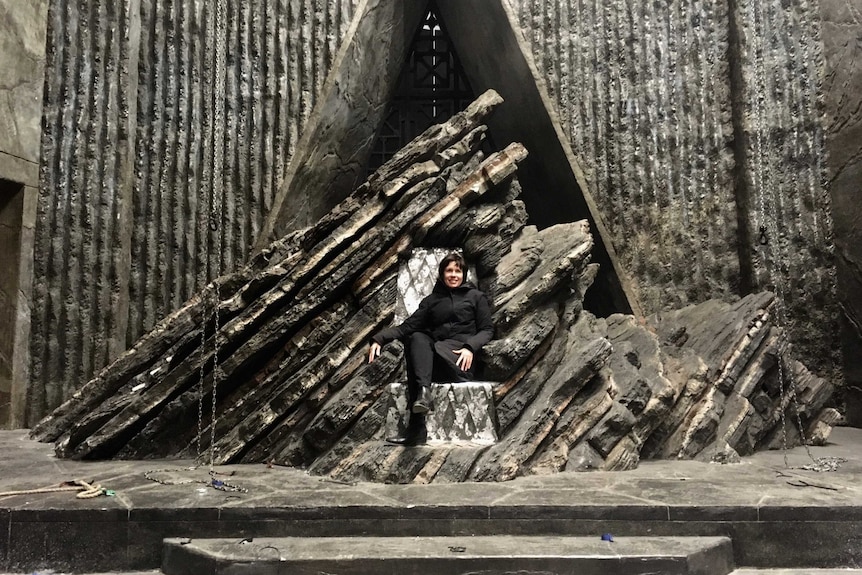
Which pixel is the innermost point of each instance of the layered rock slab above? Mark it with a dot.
(268, 364)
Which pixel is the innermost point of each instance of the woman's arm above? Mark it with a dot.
(484, 324)
(412, 324)
(373, 351)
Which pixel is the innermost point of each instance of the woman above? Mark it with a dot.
(442, 336)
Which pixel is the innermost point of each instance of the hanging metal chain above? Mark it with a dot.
(214, 482)
(216, 378)
(212, 295)
(217, 215)
(759, 130)
(768, 241)
(202, 373)
(211, 299)
(819, 464)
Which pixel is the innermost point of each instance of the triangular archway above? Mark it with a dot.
(432, 88)
(332, 155)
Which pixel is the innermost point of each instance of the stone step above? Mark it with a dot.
(485, 555)
(806, 571)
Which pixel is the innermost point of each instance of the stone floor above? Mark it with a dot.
(797, 572)
(742, 571)
(736, 572)
(777, 513)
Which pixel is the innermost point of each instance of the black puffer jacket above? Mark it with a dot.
(462, 314)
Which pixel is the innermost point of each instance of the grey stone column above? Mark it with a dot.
(22, 65)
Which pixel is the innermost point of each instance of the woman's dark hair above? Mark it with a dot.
(453, 257)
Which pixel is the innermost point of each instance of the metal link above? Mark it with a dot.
(202, 373)
(769, 242)
(211, 300)
(214, 482)
(218, 196)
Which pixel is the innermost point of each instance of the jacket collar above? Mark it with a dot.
(441, 288)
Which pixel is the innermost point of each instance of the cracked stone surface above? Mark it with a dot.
(777, 513)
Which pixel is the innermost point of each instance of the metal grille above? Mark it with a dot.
(432, 88)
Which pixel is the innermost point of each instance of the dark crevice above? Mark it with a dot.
(11, 225)
(742, 186)
(431, 89)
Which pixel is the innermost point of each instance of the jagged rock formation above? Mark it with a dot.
(574, 391)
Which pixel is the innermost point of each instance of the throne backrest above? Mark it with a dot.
(416, 278)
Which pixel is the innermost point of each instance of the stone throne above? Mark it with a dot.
(463, 412)
(277, 350)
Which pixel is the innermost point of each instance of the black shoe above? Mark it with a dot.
(423, 402)
(406, 441)
(411, 438)
(415, 434)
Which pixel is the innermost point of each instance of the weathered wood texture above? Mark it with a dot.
(575, 391)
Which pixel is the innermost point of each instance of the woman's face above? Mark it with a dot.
(452, 275)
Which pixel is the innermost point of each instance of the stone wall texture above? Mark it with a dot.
(167, 129)
(642, 91)
(22, 72)
(696, 123)
(842, 89)
(170, 125)
(783, 193)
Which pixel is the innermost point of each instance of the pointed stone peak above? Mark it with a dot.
(333, 153)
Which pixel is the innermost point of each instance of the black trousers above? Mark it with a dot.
(429, 360)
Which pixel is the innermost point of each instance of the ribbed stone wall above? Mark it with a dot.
(684, 173)
(79, 264)
(224, 93)
(842, 91)
(642, 90)
(783, 197)
(167, 128)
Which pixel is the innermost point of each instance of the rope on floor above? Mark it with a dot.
(87, 491)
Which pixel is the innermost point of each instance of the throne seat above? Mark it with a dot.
(463, 413)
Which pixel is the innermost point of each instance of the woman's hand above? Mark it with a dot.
(465, 358)
(373, 351)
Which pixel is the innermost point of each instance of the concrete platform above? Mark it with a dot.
(797, 572)
(744, 571)
(498, 554)
(777, 515)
